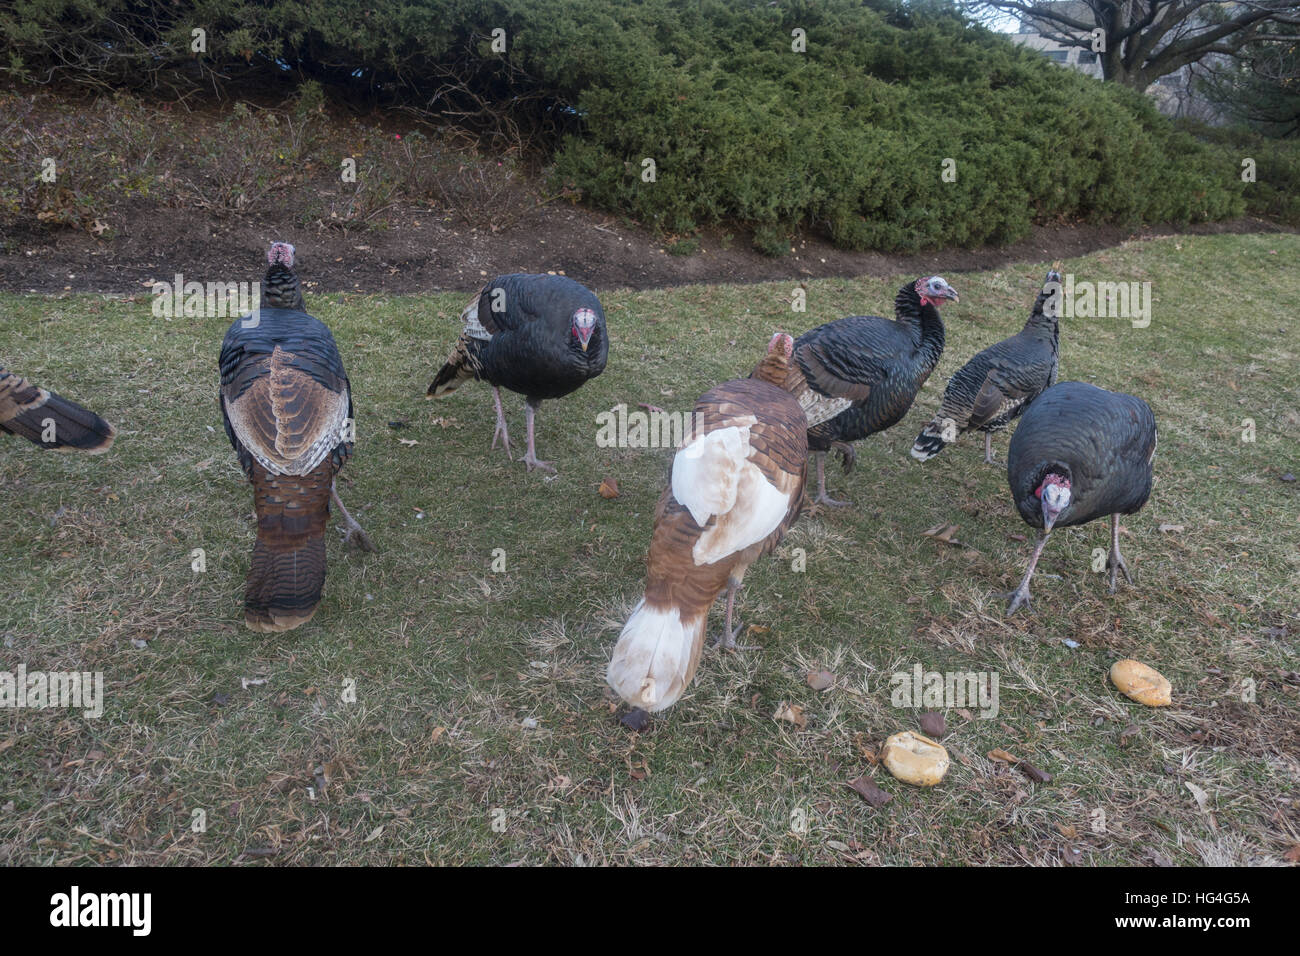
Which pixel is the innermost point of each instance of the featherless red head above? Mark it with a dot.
(282, 253)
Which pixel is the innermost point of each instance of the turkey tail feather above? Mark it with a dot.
(449, 378)
(287, 573)
(38, 413)
(930, 442)
(656, 656)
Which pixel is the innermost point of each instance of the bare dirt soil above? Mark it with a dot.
(423, 250)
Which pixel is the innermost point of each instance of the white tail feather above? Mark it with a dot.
(655, 657)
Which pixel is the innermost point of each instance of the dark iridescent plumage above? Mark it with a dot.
(1099, 445)
(525, 333)
(999, 383)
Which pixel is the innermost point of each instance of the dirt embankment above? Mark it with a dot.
(422, 252)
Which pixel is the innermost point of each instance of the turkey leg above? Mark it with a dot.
(988, 449)
(822, 497)
(727, 641)
(531, 459)
(350, 527)
(501, 431)
(1020, 596)
(1115, 561)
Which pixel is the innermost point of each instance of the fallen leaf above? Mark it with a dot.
(375, 833)
(1002, 755)
(792, 713)
(933, 724)
(1202, 798)
(1033, 773)
(820, 680)
(1171, 528)
(409, 441)
(866, 788)
(1292, 855)
(609, 488)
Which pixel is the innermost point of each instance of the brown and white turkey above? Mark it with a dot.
(1080, 453)
(737, 486)
(999, 383)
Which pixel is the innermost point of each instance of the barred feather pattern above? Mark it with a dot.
(999, 383)
(37, 414)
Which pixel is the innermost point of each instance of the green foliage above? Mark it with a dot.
(847, 138)
(1275, 193)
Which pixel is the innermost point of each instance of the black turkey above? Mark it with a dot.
(287, 406)
(1080, 453)
(542, 336)
(997, 385)
(48, 419)
(859, 375)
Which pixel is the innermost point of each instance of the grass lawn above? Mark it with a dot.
(482, 730)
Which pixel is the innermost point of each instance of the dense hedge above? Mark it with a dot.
(848, 138)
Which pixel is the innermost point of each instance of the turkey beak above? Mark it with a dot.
(951, 294)
(1049, 519)
(584, 336)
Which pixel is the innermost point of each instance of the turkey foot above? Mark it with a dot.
(351, 529)
(1115, 560)
(501, 431)
(848, 454)
(823, 498)
(1020, 596)
(988, 449)
(652, 408)
(531, 459)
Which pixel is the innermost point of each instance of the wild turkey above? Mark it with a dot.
(542, 336)
(998, 384)
(48, 419)
(1079, 453)
(737, 485)
(287, 407)
(859, 375)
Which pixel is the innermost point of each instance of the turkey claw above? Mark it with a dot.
(532, 461)
(726, 641)
(1019, 599)
(824, 499)
(1116, 564)
(502, 434)
(357, 536)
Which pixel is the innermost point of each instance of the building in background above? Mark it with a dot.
(1175, 94)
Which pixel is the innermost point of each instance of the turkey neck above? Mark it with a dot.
(1040, 324)
(773, 369)
(923, 320)
(282, 289)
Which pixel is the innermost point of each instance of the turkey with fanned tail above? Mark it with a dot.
(287, 407)
(737, 486)
(542, 336)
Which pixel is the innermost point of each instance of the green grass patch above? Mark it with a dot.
(449, 659)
